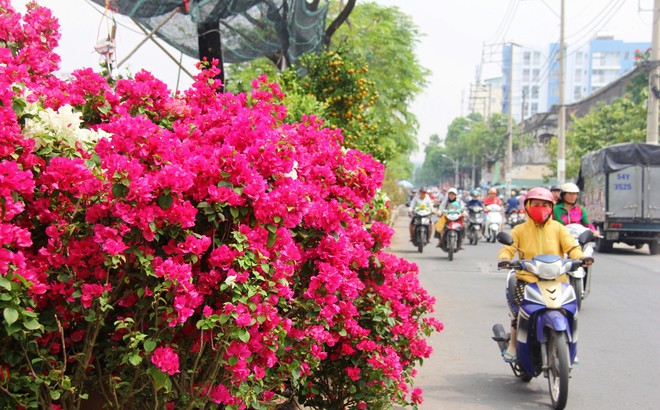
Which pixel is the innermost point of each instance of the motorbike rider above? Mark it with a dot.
(512, 204)
(491, 199)
(539, 234)
(556, 192)
(567, 210)
(475, 199)
(451, 201)
(422, 199)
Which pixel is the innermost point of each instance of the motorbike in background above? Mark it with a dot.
(451, 233)
(581, 278)
(515, 217)
(422, 227)
(493, 222)
(474, 223)
(546, 339)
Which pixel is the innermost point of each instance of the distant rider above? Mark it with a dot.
(539, 234)
(567, 211)
(422, 199)
(451, 201)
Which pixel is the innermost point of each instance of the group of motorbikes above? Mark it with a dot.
(547, 319)
(478, 220)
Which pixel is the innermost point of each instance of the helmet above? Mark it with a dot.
(570, 188)
(555, 188)
(474, 192)
(423, 189)
(539, 193)
(492, 190)
(452, 191)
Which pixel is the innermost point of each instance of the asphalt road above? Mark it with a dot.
(619, 332)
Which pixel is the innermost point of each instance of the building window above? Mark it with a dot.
(527, 58)
(534, 108)
(535, 75)
(577, 93)
(525, 75)
(535, 91)
(537, 58)
(578, 75)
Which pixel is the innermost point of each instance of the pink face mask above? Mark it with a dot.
(539, 214)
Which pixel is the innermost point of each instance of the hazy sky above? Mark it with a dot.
(455, 32)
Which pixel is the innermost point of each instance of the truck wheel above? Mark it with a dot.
(603, 245)
(653, 248)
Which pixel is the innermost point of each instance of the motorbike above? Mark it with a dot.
(581, 278)
(547, 322)
(512, 218)
(474, 223)
(515, 217)
(422, 229)
(493, 221)
(452, 231)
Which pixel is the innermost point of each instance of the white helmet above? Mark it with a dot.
(570, 188)
(452, 191)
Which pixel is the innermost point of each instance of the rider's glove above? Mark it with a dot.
(503, 265)
(587, 261)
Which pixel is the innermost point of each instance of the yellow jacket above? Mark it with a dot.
(534, 239)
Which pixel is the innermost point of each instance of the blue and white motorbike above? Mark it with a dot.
(547, 336)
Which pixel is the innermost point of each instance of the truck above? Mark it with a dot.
(620, 189)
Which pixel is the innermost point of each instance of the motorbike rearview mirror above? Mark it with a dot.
(504, 238)
(586, 236)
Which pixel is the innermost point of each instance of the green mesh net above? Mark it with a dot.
(249, 29)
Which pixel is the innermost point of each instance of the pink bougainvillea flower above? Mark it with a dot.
(166, 359)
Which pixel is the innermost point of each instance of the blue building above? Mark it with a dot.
(587, 68)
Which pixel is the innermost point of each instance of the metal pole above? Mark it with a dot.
(151, 33)
(654, 75)
(561, 120)
(509, 151)
(456, 174)
(167, 53)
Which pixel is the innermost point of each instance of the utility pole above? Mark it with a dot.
(654, 76)
(561, 120)
(509, 151)
(523, 111)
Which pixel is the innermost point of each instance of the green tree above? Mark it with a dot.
(471, 140)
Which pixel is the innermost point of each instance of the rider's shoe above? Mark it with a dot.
(508, 357)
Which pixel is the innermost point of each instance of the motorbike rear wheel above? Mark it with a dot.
(559, 367)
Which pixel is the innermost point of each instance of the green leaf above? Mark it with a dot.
(149, 345)
(32, 324)
(164, 201)
(234, 212)
(271, 228)
(244, 335)
(160, 379)
(135, 359)
(4, 283)
(119, 190)
(271, 239)
(11, 315)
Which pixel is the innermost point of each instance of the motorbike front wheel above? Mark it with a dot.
(559, 367)
(422, 235)
(474, 236)
(451, 244)
(579, 291)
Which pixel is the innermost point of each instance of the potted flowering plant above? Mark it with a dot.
(191, 250)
